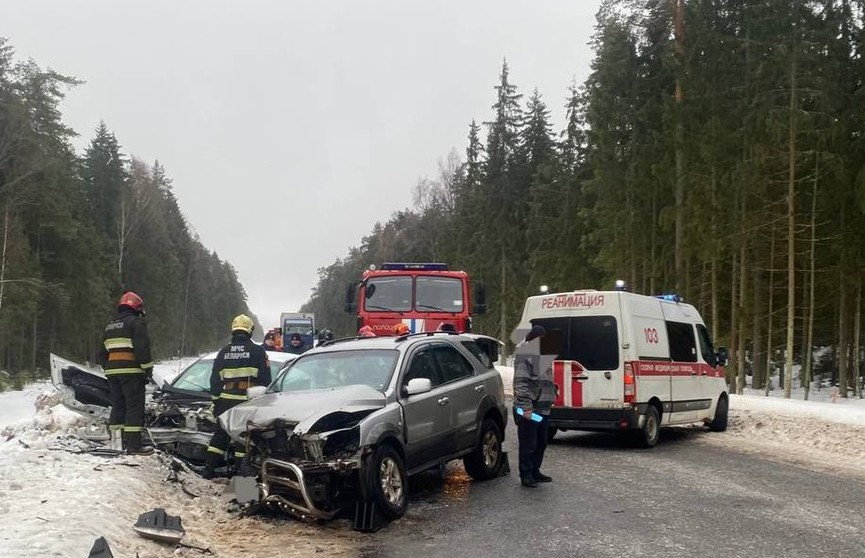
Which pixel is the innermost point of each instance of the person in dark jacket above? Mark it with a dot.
(534, 393)
(295, 345)
(125, 358)
(238, 366)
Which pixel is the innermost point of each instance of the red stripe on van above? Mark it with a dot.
(563, 376)
(662, 368)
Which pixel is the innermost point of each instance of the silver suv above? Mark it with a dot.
(348, 422)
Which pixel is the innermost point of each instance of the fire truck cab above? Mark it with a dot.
(628, 362)
(423, 296)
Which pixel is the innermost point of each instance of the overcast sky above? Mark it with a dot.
(290, 128)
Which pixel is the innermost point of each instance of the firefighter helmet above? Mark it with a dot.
(242, 322)
(401, 329)
(132, 301)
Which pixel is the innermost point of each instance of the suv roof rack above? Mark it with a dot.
(424, 333)
(330, 342)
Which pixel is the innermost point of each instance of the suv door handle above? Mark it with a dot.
(443, 401)
(480, 388)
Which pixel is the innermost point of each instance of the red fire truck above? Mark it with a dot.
(424, 296)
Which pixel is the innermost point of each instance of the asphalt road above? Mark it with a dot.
(685, 497)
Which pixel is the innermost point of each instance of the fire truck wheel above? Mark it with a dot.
(648, 435)
(551, 433)
(486, 461)
(719, 423)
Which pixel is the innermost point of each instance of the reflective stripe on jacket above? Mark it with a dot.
(238, 366)
(125, 345)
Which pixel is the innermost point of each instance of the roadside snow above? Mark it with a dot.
(18, 406)
(56, 500)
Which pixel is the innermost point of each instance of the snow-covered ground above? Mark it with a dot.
(55, 502)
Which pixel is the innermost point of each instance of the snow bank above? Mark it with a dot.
(18, 406)
(56, 499)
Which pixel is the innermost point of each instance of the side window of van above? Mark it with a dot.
(706, 348)
(683, 347)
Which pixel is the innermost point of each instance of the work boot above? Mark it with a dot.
(528, 482)
(133, 444)
(540, 477)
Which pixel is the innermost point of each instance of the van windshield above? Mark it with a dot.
(593, 341)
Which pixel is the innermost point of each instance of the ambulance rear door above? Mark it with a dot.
(587, 369)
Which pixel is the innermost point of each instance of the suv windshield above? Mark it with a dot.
(370, 367)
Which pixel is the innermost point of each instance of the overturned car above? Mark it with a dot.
(177, 416)
(349, 421)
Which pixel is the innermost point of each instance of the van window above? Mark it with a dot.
(683, 348)
(593, 341)
(706, 348)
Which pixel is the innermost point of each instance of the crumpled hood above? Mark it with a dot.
(304, 408)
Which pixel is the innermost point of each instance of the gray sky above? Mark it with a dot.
(290, 128)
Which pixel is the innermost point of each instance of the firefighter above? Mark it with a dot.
(238, 366)
(125, 358)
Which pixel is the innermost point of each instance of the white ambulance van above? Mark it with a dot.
(629, 362)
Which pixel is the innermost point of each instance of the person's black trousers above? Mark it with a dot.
(532, 440)
(220, 442)
(126, 395)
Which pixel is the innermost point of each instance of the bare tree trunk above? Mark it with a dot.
(741, 321)
(808, 362)
(734, 324)
(679, 33)
(503, 314)
(3, 256)
(791, 231)
(857, 324)
(716, 312)
(758, 376)
(843, 341)
(771, 313)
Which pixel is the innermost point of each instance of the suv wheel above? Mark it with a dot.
(486, 461)
(389, 482)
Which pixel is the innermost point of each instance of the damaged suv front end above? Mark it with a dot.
(311, 434)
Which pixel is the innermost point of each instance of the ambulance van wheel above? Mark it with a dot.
(719, 423)
(551, 433)
(647, 436)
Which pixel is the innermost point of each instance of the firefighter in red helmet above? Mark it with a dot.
(125, 358)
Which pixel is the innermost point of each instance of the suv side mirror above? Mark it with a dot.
(351, 298)
(721, 356)
(480, 302)
(418, 385)
(256, 391)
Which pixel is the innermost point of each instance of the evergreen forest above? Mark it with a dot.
(716, 150)
(78, 229)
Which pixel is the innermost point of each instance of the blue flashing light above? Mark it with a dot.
(395, 266)
(672, 297)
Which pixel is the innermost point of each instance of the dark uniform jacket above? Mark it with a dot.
(533, 383)
(239, 365)
(126, 346)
